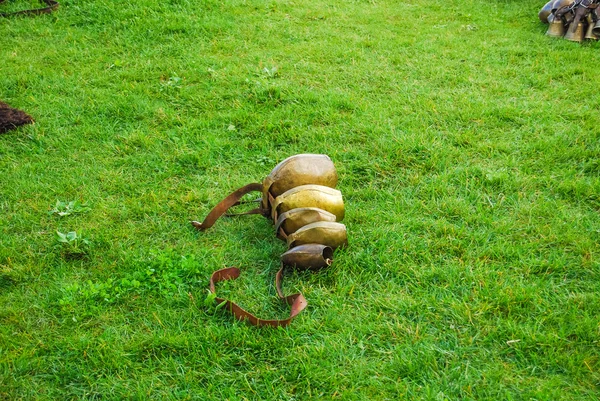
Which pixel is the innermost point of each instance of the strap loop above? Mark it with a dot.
(297, 301)
(232, 200)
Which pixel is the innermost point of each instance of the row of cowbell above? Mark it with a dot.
(570, 20)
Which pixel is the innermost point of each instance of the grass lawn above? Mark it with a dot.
(468, 149)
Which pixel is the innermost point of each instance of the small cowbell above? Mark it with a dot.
(575, 33)
(309, 256)
(556, 29)
(589, 34)
(596, 28)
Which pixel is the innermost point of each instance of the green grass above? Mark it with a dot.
(468, 149)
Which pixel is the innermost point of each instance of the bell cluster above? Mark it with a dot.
(300, 198)
(576, 21)
(306, 209)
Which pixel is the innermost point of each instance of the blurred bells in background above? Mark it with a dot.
(573, 20)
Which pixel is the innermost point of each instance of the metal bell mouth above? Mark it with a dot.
(308, 256)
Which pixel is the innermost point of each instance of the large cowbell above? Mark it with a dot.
(303, 169)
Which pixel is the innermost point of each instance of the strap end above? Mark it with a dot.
(197, 225)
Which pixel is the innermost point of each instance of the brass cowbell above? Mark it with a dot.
(575, 33)
(589, 34)
(556, 29)
(596, 28)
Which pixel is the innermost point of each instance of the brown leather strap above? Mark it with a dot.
(258, 210)
(247, 201)
(282, 234)
(51, 6)
(279, 282)
(296, 301)
(225, 204)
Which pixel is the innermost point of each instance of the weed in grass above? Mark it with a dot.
(72, 245)
(67, 208)
(164, 274)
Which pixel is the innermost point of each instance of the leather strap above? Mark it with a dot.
(297, 301)
(232, 200)
(279, 282)
(247, 201)
(258, 210)
(51, 5)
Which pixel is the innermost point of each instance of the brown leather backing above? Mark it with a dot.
(297, 301)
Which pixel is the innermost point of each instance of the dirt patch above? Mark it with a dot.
(12, 118)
